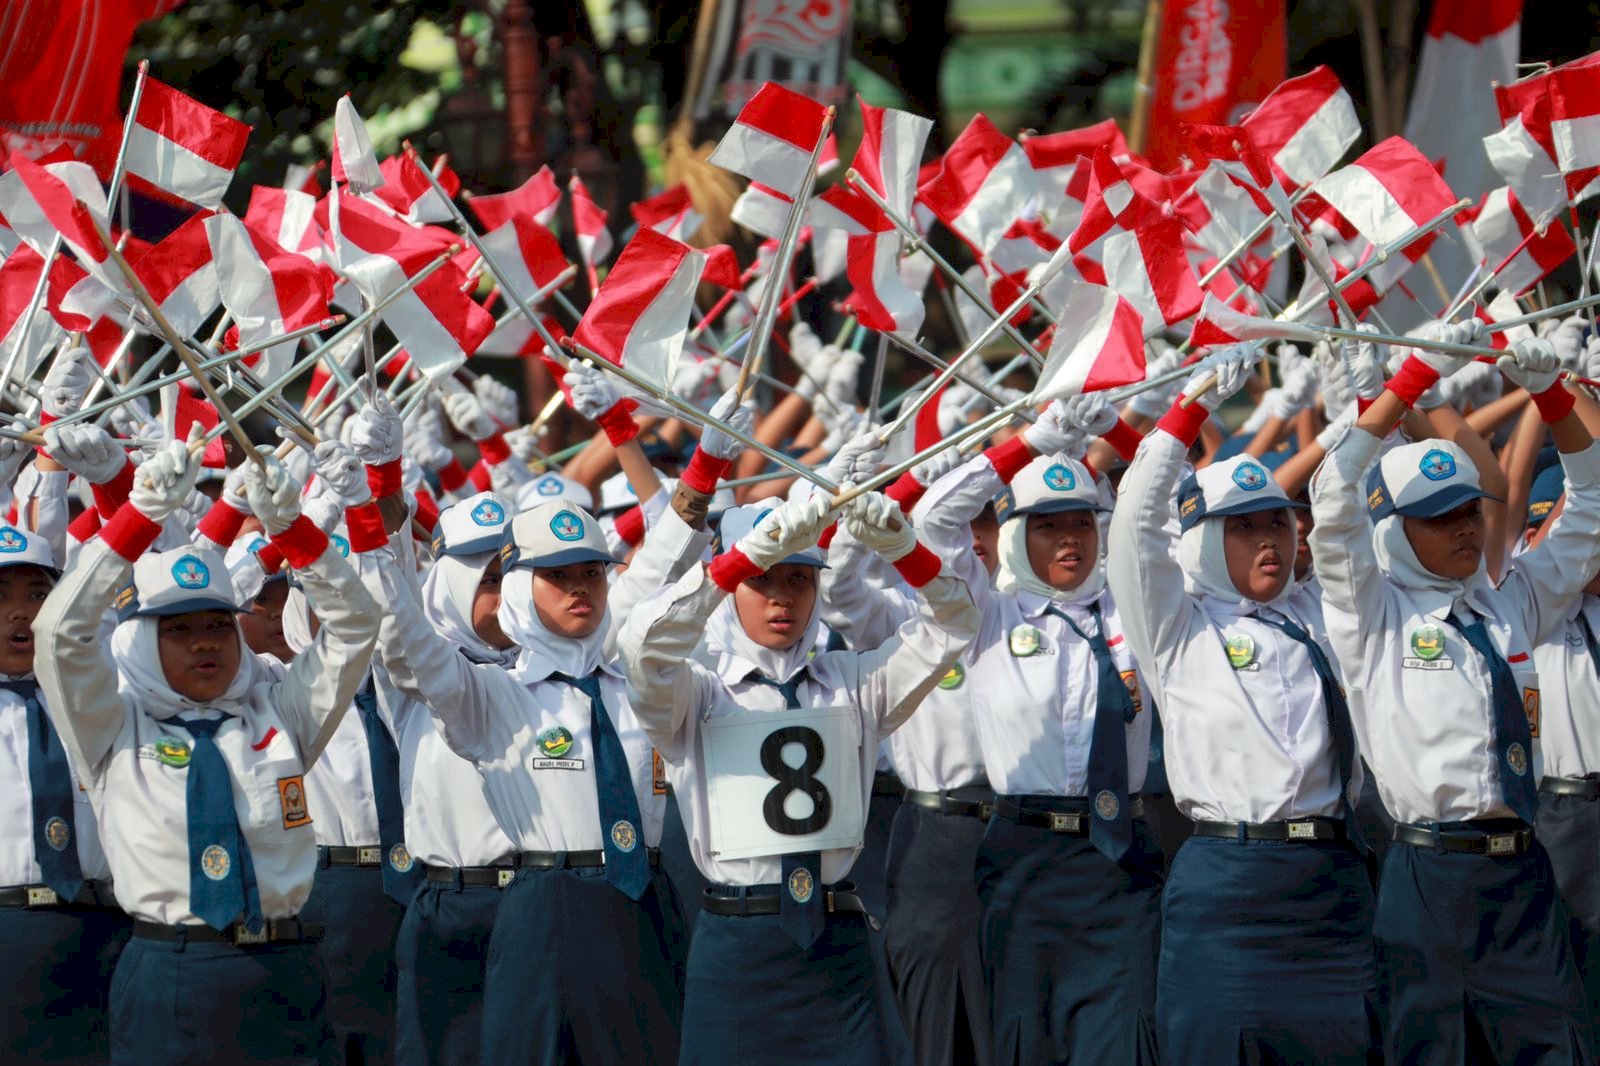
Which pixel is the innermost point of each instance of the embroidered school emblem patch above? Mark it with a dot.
(215, 863)
(1427, 642)
(400, 858)
(488, 513)
(1437, 465)
(292, 801)
(1106, 804)
(342, 543)
(191, 573)
(1517, 759)
(567, 526)
(170, 752)
(57, 833)
(1250, 477)
(624, 836)
(554, 742)
(953, 678)
(1059, 478)
(11, 541)
(1241, 648)
(801, 884)
(548, 486)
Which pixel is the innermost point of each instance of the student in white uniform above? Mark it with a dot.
(1472, 937)
(1266, 949)
(772, 755)
(59, 921)
(1069, 874)
(200, 756)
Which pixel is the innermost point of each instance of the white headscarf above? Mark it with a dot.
(541, 651)
(447, 597)
(136, 649)
(1204, 559)
(738, 655)
(1016, 572)
(1399, 563)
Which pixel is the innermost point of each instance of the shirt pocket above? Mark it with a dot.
(277, 792)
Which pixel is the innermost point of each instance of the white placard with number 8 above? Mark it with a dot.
(780, 782)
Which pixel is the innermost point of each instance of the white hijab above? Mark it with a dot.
(1204, 560)
(541, 652)
(447, 596)
(136, 650)
(738, 655)
(1399, 563)
(1016, 572)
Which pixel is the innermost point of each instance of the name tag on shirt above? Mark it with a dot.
(781, 782)
(1411, 662)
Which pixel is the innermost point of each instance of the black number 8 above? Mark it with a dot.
(794, 779)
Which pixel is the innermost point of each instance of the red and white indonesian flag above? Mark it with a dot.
(288, 217)
(182, 146)
(1147, 266)
(1099, 344)
(890, 154)
(982, 186)
(1219, 210)
(1523, 150)
(772, 139)
(1220, 325)
(41, 200)
(762, 210)
(880, 297)
(1304, 127)
(1054, 156)
(670, 213)
(75, 299)
(640, 316)
(1390, 190)
(589, 224)
(1503, 229)
(529, 255)
(537, 198)
(1574, 91)
(19, 276)
(180, 276)
(354, 162)
(267, 290)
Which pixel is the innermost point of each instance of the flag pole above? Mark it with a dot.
(767, 314)
(1144, 78)
(1294, 311)
(876, 392)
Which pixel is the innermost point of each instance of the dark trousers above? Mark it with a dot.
(198, 1004)
(55, 982)
(756, 999)
(356, 956)
(1069, 942)
(932, 936)
(1569, 828)
(580, 974)
(441, 954)
(1476, 955)
(870, 877)
(1267, 956)
(687, 880)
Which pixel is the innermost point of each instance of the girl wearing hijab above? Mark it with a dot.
(772, 753)
(1474, 941)
(1068, 874)
(1266, 953)
(201, 749)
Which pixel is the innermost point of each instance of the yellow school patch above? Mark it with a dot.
(292, 800)
(1530, 706)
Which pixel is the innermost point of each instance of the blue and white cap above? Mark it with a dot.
(245, 570)
(616, 494)
(472, 526)
(1241, 485)
(1422, 480)
(555, 533)
(1049, 485)
(190, 578)
(1543, 495)
(553, 486)
(18, 547)
(739, 521)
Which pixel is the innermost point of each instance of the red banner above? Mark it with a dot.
(1215, 60)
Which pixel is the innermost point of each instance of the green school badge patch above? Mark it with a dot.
(172, 752)
(554, 742)
(1241, 649)
(1427, 642)
(953, 678)
(1024, 641)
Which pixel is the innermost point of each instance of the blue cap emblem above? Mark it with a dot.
(342, 544)
(1438, 465)
(567, 526)
(488, 513)
(1060, 478)
(191, 573)
(256, 545)
(11, 541)
(1250, 477)
(549, 485)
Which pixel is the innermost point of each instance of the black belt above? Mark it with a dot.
(475, 876)
(572, 860)
(743, 901)
(338, 855)
(964, 802)
(274, 931)
(887, 783)
(1306, 829)
(1587, 788)
(35, 897)
(1071, 817)
(1514, 839)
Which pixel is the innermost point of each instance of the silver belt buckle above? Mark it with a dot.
(1065, 822)
(1302, 830)
(42, 896)
(1502, 844)
(245, 938)
(369, 856)
(504, 878)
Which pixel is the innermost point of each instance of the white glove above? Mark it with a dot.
(1468, 332)
(1232, 368)
(274, 496)
(424, 441)
(845, 425)
(694, 379)
(376, 433)
(1090, 412)
(338, 468)
(13, 453)
(1364, 362)
(324, 511)
(592, 392)
(1300, 384)
(86, 450)
(936, 467)
(1153, 402)
(497, 399)
(803, 344)
(130, 418)
(1334, 430)
(1053, 432)
(1591, 359)
(233, 493)
(877, 521)
(1332, 381)
(524, 445)
(742, 417)
(1566, 336)
(857, 460)
(468, 416)
(953, 406)
(1480, 383)
(68, 380)
(1533, 365)
(842, 377)
(161, 484)
(1271, 406)
(798, 524)
(818, 366)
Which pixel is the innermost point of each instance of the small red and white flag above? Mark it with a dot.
(77, 301)
(1522, 151)
(1220, 326)
(670, 213)
(762, 210)
(39, 201)
(772, 139)
(1508, 236)
(180, 145)
(528, 253)
(640, 317)
(983, 184)
(288, 217)
(268, 290)
(180, 275)
(1575, 122)
(1148, 267)
(1099, 344)
(1390, 190)
(1304, 127)
(1112, 203)
(1219, 210)
(19, 277)
(537, 198)
(303, 178)
(890, 154)
(354, 162)
(589, 224)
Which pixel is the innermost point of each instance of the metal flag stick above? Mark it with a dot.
(1548, 312)
(876, 392)
(1314, 300)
